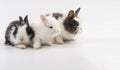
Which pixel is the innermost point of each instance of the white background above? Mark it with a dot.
(97, 48)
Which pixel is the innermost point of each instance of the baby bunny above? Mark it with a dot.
(19, 33)
(45, 30)
(70, 25)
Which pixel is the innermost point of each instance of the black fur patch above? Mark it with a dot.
(71, 25)
(15, 32)
(7, 36)
(57, 15)
(30, 32)
(8, 42)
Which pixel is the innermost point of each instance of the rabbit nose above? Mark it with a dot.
(57, 31)
(21, 39)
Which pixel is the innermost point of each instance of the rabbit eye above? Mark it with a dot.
(50, 27)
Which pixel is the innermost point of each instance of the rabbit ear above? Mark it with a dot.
(70, 14)
(20, 18)
(77, 11)
(26, 18)
(43, 18)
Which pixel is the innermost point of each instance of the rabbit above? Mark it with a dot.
(70, 25)
(45, 31)
(19, 33)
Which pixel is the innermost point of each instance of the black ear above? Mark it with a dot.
(26, 19)
(20, 18)
(71, 14)
(77, 11)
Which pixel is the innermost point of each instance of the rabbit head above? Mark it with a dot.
(71, 23)
(51, 24)
(24, 27)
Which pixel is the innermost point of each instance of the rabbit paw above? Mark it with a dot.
(36, 46)
(60, 42)
(21, 46)
(49, 44)
(72, 39)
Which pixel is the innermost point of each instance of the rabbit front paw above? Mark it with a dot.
(36, 46)
(21, 46)
(49, 44)
(60, 42)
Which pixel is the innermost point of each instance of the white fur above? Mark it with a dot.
(43, 34)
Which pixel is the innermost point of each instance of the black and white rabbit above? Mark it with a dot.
(70, 25)
(19, 33)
